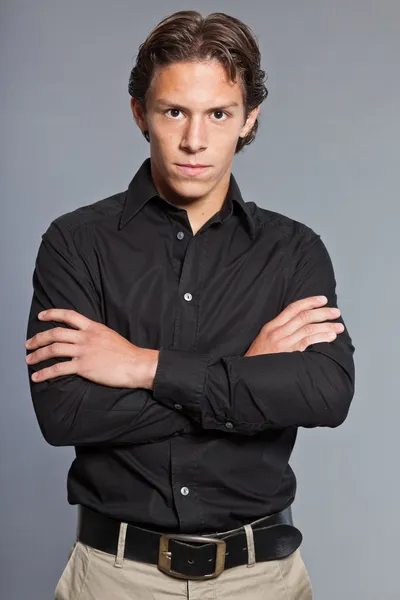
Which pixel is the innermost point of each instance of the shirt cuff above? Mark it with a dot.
(180, 379)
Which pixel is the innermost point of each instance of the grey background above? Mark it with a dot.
(326, 154)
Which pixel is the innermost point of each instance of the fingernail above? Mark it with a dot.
(322, 298)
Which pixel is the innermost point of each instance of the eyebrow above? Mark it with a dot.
(166, 102)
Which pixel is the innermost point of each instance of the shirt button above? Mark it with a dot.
(188, 297)
(178, 406)
(180, 235)
(184, 491)
(229, 425)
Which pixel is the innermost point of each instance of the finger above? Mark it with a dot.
(71, 317)
(307, 317)
(296, 307)
(316, 339)
(308, 332)
(62, 368)
(57, 349)
(56, 334)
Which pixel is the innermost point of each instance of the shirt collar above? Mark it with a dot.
(142, 189)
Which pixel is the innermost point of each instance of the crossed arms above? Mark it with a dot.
(96, 388)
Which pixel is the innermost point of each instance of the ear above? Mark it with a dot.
(251, 119)
(139, 114)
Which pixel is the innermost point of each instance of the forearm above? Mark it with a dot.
(309, 389)
(72, 410)
(246, 394)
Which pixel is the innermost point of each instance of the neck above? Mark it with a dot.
(199, 209)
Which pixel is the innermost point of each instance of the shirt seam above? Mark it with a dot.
(96, 218)
(78, 273)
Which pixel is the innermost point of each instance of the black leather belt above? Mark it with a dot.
(189, 556)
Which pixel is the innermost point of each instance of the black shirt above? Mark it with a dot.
(208, 448)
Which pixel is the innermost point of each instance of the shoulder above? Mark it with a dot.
(285, 227)
(106, 209)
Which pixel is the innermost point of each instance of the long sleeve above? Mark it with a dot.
(245, 395)
(70, 409)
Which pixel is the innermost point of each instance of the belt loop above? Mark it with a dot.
(251, 555)
(119, 558)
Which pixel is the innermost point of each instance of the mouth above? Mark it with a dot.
(193, 170)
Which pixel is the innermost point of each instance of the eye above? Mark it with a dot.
(173, 110)
(221, 112)
(216, 112)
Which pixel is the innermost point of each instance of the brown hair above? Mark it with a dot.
(188, 36)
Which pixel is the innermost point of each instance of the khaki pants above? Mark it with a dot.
(92, 574)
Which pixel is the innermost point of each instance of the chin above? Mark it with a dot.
(189, 192)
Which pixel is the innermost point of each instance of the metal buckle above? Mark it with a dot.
(164, 556)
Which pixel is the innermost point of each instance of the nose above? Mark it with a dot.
(195, 135)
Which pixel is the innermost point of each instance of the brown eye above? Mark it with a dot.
(173, 110)
(221, 112)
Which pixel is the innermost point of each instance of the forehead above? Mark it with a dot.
(197, 81)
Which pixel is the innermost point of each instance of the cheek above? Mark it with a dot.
(165, 135)
(227, 134)
(162, 140)
(167, 144)
(226, 141)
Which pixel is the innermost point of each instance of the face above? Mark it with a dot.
(194, 114)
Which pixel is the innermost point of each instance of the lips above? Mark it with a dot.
(189, 170)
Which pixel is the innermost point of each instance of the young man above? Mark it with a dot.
(187, 335)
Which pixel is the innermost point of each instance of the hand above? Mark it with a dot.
(296, 327)
(98, 353)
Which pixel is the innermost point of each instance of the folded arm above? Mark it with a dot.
(246, 394)
(70, 409)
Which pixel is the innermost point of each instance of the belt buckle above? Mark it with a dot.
(164, 556)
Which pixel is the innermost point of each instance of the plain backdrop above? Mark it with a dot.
(327, 154)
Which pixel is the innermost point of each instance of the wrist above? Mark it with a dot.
(148, 367)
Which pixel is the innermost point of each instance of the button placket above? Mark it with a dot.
(190, 286)
(187, 498)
